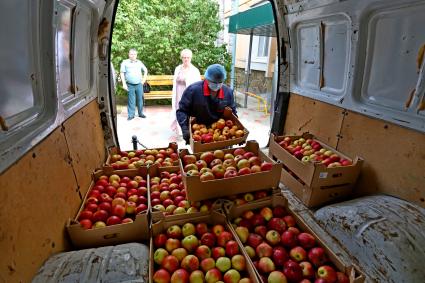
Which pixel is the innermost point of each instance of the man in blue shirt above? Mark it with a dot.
(205, 100)
(132, 81)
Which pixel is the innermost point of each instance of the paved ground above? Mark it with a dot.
(154, 130)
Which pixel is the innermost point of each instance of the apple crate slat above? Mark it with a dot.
(198, 146)
(353, 273)
(313, 182)
(212, 218)
(136, 231)
(197, 190)
(109, 164)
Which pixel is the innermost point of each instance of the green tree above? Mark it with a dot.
(160, 29)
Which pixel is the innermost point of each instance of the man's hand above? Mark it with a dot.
(186, 136)
(124, 86)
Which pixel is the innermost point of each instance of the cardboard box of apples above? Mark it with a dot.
(283, 248)
(168, 196)
(225, 132)
(219, 173)
(202, 249)
(133, 159)
(114, 210)
(312, 170)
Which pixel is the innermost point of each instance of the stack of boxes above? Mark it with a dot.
(214, 201)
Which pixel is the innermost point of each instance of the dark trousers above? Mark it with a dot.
(135, 96)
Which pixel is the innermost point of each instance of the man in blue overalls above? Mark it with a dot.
(132, 81)
(205, 100)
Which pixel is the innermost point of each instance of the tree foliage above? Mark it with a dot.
(160, 29)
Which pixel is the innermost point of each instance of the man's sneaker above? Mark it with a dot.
(142, 115)
(130, 118)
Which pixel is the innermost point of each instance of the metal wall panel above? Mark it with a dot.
(369, 50)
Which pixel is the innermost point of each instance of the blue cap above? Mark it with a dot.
(215, 73)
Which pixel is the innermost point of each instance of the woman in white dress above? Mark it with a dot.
(184, 75)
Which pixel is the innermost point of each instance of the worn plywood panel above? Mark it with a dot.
(84, 135)
(394, 157)
(37, 196)
(319, 118)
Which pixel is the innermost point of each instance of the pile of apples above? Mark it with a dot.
(137, 158)
(248, 197)
(114, 200)
(168, 195)
(218, 131)
(196, 253)
(218, 165)
(280, 251)
(311, 150)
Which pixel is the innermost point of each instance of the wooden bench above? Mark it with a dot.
(160, 80)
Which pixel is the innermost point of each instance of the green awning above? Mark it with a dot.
(258, 20)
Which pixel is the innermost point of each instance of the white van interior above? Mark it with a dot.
(351, 72)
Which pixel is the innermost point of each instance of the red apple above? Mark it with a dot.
(232, 248)
(113, 220)
(190, 263)
(217, 229)
(207, 264)
(170, 263)
(342, 278)
(208, 239)
(159, 255)
(100, 215)
(223, 238)
(308, 269)
(201, 228)
(261, 230)
(218, 252)
(292, 271)
(118, 210)
(280, 256)
(328, 273)
(190, 243)
(160, 240)
(213, 275)
(317, 256)
(85, 214)
(254, 240)
(298, 254)
(277, 224)
(264, 250)
(180, 276)
(174, 231)
(289, 239)
(86, 223)
(266, 265)
(172, 244)
(306, 240)
(203, 252)
(279, 211)
(161, 276)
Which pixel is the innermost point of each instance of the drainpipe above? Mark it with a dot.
(235, 6)
(248, 69)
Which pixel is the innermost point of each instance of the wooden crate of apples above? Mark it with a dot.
(310, 166)
(168, 196)
(283, 248)
(202, 250)
(133, 159)
(115, 204)
(223, 133)
(219, 173)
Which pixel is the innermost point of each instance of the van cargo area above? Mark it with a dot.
(345, 162)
